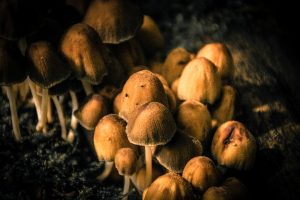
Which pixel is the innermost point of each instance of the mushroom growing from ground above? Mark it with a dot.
(13, 70)
(233, 146)
(170, 186)
(151, 124)
(199, 81)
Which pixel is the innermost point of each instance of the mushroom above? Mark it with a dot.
(109, 92)
(233, 146)
(117, 104)
(151, 124)
(172, 101)
(46, 70)
(109, 137)
(194, 118)
(218, 54)
(91, 111)
(13, 70)
(175, 154)
(115, 21)
(170, 186)
(201, 172)
(199, 81)
(174, 86)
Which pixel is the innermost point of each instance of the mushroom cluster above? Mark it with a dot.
(156, 121)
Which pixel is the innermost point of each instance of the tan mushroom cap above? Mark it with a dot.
(115, 21)
(117, 104)
(47, 68)
(175, 154)
(151, 124)
(174, 64)
(201, 172)
(224, 110)
(86, 54)
(110, 136)
(199, 81)
(13, 66)
(220, 55)
(174, 86)
(91, 111)
(162, 79)
(234, 146)
(141, 87)
(170, 186)
(126, 161)
(172, 101)
(194, 118)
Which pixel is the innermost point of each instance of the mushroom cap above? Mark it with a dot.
(170, 186)
(162, 79)
(224, 110)
(201, 172)
(220, 55)
(141, 87)
(151, 124)
(234, 146)
(47, 68)
(109, 91)
(194, 118)
(126, 161)
(86, 54)
(199, 81)
(172, 101)
(117, 104)
(174, 86)
(110, 136)
(174, 64)
(175, 154)
(115, 21)
(91, 111)
(13, 66)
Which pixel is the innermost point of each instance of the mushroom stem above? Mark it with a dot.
(61, 117)
(148, 160)
(35, 99)
(106, 171)
(13, 112)
(126, 187)
(74, 122)
(41, 126)
(49, 112)
(87, 87)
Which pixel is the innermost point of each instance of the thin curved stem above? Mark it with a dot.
(42, 126)
(61, 117)
(74, 121)
(126, 187)
(87, 87)
(35, 99)
(106, 171)
(49, 112)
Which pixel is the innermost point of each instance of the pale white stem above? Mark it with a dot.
(87, 87)
(35, 99)
(148, 160)
(126, 187)
(106, 171)
(74, 122)
(13, 113)
(61, 117)
(49, 112)
(42, 126)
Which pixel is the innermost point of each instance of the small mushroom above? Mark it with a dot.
(170, 186)
(201, 172)
(199, 81)
(172, 101)
(233, 146)
(117, 104)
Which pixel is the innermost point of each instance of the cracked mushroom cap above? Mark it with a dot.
(141, 87)
(170, 186)
(201, 172)
(110, 136)
(234, 146)
(194, 118)
(47, 68)
(220, 55)
(115, 21)
(150, 125)
(175, 154)
(126, 161)
(13, 67)
(199, 81)
(91, 111)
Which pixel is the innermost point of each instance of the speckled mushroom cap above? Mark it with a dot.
(115, 21)
(234, 146)
(218, 54)
(110, 136)
(13, 66)
(126, 161)
(141, 87)
(91, 111)
(150, 125)
(175, 154)
(46, 67)
(87, 56)
(170, 186)
(199, 81)
(201, 172)
(194, 118)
